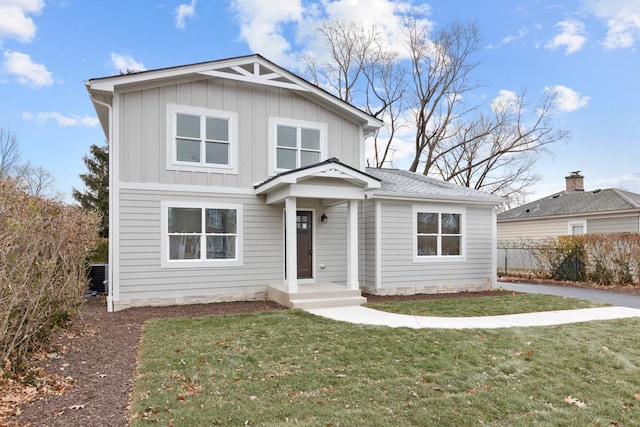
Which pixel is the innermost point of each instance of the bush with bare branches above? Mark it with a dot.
(43, 249)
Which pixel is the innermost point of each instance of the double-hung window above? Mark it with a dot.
(200, 235)
(297, 143)
(201, 138)
(438, 233)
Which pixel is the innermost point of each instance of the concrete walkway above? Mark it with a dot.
(625, 308)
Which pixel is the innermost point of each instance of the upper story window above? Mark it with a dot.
(201, 139)
(439, 233)
(297, 143)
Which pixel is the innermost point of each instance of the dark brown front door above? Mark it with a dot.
(304, 226)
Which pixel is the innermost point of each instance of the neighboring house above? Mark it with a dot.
(573, 211)
(226, 185)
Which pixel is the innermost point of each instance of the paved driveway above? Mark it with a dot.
(622, 300)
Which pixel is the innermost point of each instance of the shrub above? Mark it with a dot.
(43, 248)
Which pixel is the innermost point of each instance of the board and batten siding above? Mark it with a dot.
(143, 139)
(400, 271)
(141, 276)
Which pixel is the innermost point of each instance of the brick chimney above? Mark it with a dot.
(575, 181)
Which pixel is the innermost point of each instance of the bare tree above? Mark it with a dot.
(441, 71)
(489, 146)
(9, 153)
(497, 152)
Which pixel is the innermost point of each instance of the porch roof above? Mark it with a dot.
(329, 179)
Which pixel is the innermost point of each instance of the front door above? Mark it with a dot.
(304, 228)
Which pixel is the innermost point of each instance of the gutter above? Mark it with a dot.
(109, 280)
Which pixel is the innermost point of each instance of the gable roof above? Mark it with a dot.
(403, 184)
(567, 203)
(251, 68)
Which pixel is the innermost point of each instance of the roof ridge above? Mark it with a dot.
(625, 197)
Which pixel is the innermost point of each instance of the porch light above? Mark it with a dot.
(324, 218)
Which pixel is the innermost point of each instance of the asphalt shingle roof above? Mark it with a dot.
(401, 182)
(575, 203)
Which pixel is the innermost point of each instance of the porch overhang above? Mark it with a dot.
(330, 181)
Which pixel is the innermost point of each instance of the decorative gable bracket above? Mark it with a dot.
(254, 73)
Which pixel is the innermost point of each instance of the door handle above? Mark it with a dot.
(311, 252)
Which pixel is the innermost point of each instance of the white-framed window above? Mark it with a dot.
(200, 235)
(296, 143)
(577, 227)
(439, 233)
(201, 139)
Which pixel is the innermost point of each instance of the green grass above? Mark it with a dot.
(291, 368)
(483, 306)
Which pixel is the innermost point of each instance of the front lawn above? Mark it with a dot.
(484, 306)
(291, 368)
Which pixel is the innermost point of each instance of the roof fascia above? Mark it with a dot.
(453, 199)
(618, 213)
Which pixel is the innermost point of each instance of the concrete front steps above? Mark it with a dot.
(316, 296)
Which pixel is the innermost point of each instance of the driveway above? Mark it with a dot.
(608, 297)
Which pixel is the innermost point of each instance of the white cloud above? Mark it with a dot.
(506, 100)
(268, 25)
(622, 18)
(14, 20)
(571, 37)
(26, 71)
(62, 120)
(183, 12)
(123, 63)
(521, 33)
(568, 99)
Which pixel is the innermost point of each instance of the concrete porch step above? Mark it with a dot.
(328, 302)
(316, 296)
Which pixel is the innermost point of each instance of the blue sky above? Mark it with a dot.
(585, 50)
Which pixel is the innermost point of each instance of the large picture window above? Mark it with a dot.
(297, 143)
(439, 233)
(202, 234)
(201, 138)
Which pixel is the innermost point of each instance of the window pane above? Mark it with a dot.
(451, 223)
(188, 126)
(218, 129)
(427, 223)
(308, 158)
(451, 245)
(427, 246)
(217, 153)
(184, 247)
(286, 159)
(310, 139)
(221, 247)
(185, 220)
(286, 136)
(187, 150)
(221, 221)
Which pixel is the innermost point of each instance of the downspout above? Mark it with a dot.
(111, 230)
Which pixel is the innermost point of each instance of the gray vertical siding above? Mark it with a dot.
(143, 133)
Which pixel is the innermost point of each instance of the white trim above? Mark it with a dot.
(173, 164)
(274, 122)
(573, 223)
(413, 197)
(352, 245)
(378, 242)
(114, 206)
(494, 247)
(165, 262)
(439, 209)
(186, 188)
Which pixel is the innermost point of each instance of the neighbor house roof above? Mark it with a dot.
(398, 183)
(566, 203)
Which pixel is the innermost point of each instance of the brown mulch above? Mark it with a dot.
(97, 356)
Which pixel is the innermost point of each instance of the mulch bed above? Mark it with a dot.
(97, 356)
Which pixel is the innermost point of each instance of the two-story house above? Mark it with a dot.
(237, 179)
